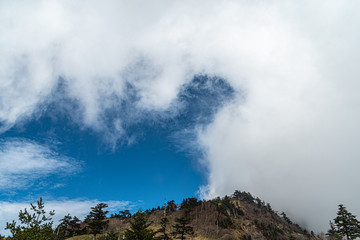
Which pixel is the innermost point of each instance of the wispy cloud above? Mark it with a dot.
(22, 162)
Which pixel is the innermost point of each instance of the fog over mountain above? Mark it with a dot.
(287, 126)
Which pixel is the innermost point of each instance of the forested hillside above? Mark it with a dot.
(240, 216)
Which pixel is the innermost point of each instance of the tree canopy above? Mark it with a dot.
(139, 228)
(182, 228)
(35, 224)
(69, 226)
(96, 219)
(163, 229)
(345, 225)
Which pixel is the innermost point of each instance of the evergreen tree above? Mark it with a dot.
(163, 235)
(63, 227)
(243, 196)
(189, 203)
(122, 215)
(182, 228)
(269, 208)
(96, 219)
(286, 218)
(69, 226)
(171, 206)
(139, 228)
(332, 233)
(111, 236)
(345, 225)
(75, 226)
(237, 195)
(35, 224)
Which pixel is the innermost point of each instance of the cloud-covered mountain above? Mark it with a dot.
(288, 132)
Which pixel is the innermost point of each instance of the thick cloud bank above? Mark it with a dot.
(290, 134)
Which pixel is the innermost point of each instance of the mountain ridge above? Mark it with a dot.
(239, 216)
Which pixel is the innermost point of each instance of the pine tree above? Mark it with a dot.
(69, 226)
(75, 226)
(171, 206)
(139, 228)
(333, 233)
(35, 224)
(345, 225)
(63, 227)
(189, 203)
(111, 236)
(163, 235)
(182, 228)
(286, 218)
(96, 219)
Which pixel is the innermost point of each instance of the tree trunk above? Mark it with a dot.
(94, 237)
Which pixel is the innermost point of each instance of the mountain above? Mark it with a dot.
(240, 216)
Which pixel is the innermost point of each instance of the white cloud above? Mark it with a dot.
(22, 162)
(292, 140)
(76, 207)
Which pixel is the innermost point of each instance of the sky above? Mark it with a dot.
(132, 102)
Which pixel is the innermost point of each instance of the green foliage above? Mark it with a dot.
(163, 233)
(139, 228)
(225, 210)
(344, 225)
(333, 233)
(286, 218)
(109, 236)
(269, 208)
(226, 203)
(243, 196)
(35, 224)
(182, 228)
(171, 206)
(70, 226)
(225, 222)
(189, 203)
(306, 233)
(122, 215)
(269, 231)
(96, 219)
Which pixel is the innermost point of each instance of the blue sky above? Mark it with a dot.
(155, 165)
(159, 162)
(130, 102)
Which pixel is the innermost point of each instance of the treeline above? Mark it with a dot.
(37, 224)
(175, 221)
(222, 213)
